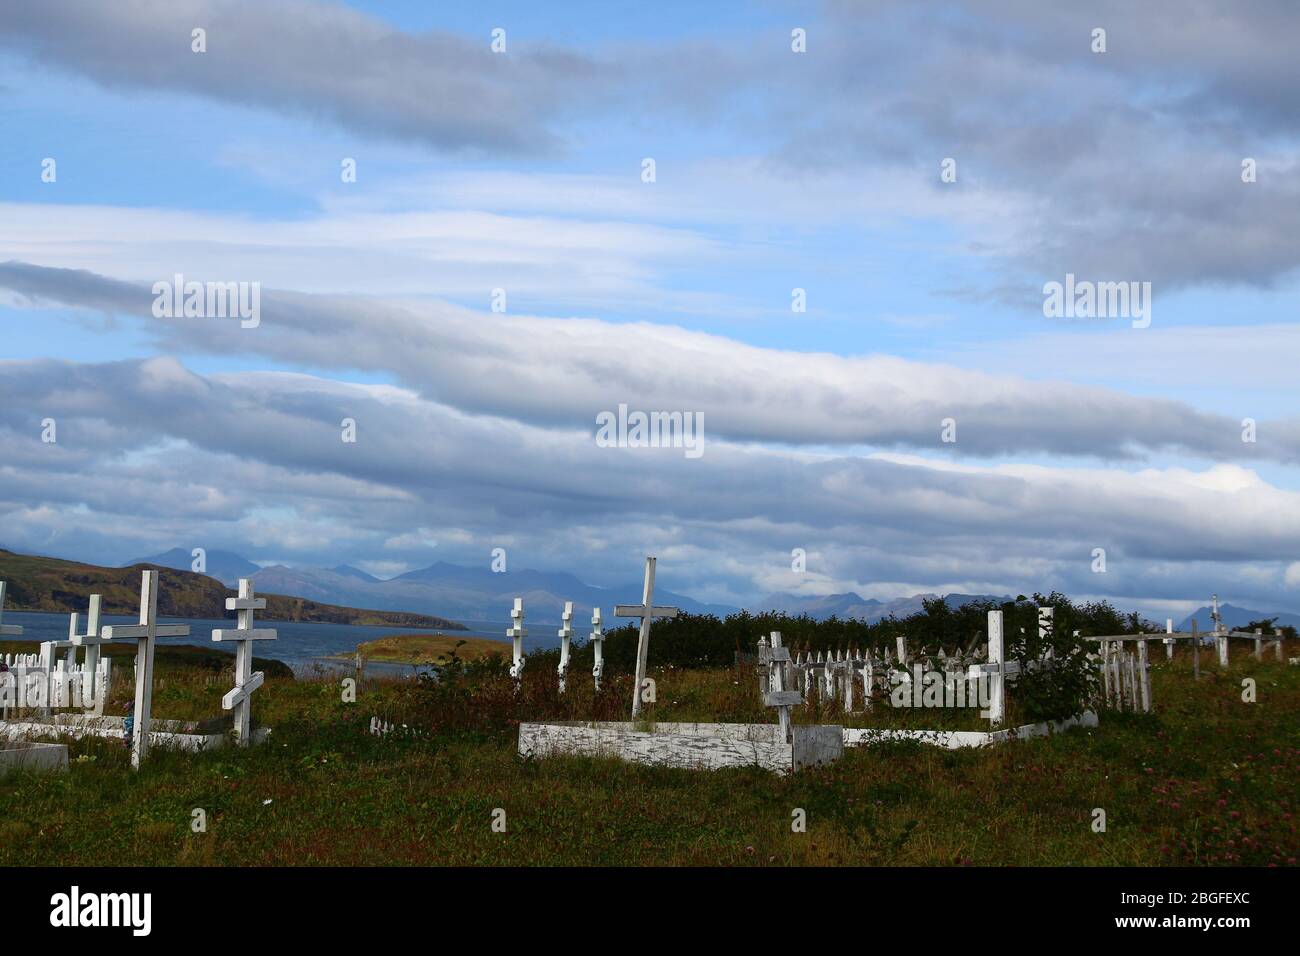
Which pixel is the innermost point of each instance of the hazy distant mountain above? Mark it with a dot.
(348, 571)
(225, 566)
(470, 594)
(851, 606)
(38, 583)
(1234, 617)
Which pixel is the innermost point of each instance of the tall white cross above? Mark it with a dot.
(145, 634)
(517, 632)
(647, 612)
(246, 679)
(597, 645)
(7, 630)
(565, 633)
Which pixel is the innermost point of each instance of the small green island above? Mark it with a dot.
(429, 648)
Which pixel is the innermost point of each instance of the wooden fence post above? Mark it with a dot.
(1196, 652)
(1144, 676)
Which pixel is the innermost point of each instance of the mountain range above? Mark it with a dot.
(36, 583)
(448, 590)
(481, 595)
(853, 606)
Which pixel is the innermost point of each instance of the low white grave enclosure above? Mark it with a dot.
(780, 747)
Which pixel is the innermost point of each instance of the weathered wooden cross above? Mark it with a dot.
(145, 634)
(777, 696)
(647, 612)
(597, 646)
(246, 679)
(517, 632)
(565, 633)
(7, 630)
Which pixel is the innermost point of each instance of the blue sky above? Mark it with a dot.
(775, 171)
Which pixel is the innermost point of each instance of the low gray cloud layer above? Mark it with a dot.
(563, 372)
(316, 60)
(150, 451)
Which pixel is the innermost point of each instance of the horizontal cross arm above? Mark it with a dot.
(119, 632)
(256, 634)
(245, 604)
(638, 610)
(87, 640)
(782, 698)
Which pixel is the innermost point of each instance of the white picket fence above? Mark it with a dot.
(30, 686)
(853, 677)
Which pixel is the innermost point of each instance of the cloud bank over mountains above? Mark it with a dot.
(520, 172)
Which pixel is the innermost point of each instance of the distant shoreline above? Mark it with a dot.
(416, 649)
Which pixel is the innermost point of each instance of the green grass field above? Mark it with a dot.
(1206, 780)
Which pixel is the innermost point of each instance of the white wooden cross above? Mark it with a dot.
(997, 670)
(145, 634)
(777, 696)
(246, 679)
(565, 633)
(94, 672)
(1220, 633)
(647, 612)
(517, 632)
(7, 630)
(90, 640)
(598, 646)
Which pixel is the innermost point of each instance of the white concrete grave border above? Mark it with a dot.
(780, 747)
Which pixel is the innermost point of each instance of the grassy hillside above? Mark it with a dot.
(430, 648)
(51, 584)
(1207, 780)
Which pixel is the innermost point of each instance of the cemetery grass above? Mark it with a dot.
(1207, 780)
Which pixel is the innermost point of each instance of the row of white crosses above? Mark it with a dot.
(517, 632)
(646, 611)
(146, 633)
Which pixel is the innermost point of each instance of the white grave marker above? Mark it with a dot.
(90, 640)
(246, 679)
(647, 612)
(565, 633)
(517, 632)
(597, 646)
(95, 670)
(144, 633)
